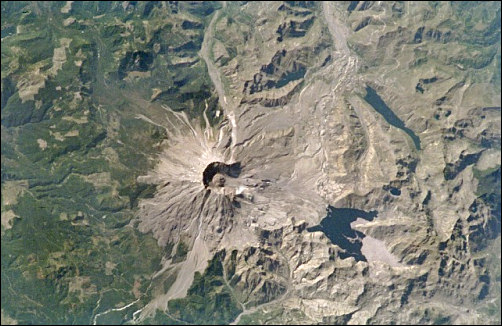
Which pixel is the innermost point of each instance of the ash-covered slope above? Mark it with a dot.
(389, 113)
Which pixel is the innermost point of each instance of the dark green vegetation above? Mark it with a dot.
(481, 45)
(379, 105)
(73, 82)
(490, 197)
(181, 252)
(209, 300)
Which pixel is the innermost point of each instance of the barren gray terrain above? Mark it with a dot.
(317, 141)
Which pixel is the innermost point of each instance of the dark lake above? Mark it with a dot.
(379, 105)
(336, 226)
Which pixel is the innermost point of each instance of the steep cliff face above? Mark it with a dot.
(406, 236)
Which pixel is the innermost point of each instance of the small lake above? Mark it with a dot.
(379, 105)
